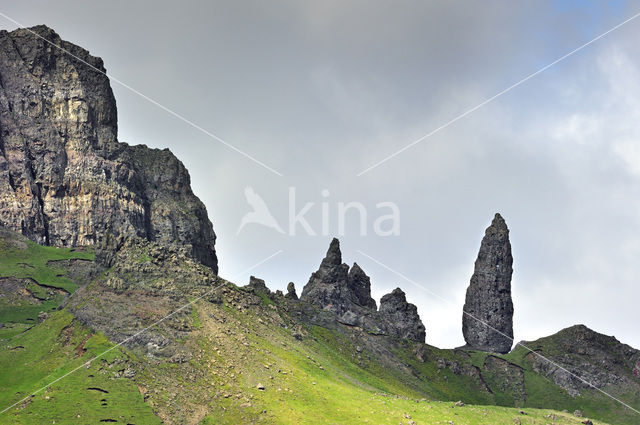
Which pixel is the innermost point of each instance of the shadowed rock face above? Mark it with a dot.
(400, 318)
(257, 286)
(333, 287)
(291, 291)
(65, 180)
(489, 294)
(360, 286)
(347, 293)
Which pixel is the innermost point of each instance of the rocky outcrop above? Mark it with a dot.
(257, 286)
(347, 293)
(401, 318)
(333, 287)
(291, 292)
(580, 358)
(65, 180)
(487, 321)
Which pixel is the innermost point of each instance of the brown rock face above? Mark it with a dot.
(65, 179)
(488, 300)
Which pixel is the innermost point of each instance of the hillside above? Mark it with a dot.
(246, 355)
(112, 310)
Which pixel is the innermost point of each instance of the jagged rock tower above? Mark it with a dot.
(488, 300)
(347, 293)
(333, 287)
(65, 180)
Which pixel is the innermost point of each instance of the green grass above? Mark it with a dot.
(48, 351)
(542, 392)
(24, 259)
(322, 378)
(318, 380)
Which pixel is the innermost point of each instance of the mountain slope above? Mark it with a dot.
(178, 344)
(241, 355)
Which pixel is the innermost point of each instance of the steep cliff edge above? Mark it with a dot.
(65, 180)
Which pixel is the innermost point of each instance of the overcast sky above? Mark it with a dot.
(320, 91)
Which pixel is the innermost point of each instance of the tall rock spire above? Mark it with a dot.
(333, 287)
(487, 321)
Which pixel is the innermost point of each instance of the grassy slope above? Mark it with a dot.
(322, 378)
(311, 381)
(48, 351)
(22, 258)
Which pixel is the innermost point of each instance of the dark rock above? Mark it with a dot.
(347, 293)
(582, 358)
(487, 322)
(401, 318)
(257, 286)
(506, 376)
(291, 291)
(65, 180)
(359, 285)
(333, 288)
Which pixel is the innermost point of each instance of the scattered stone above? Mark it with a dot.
(577, 413)
(460, 404)
(260, 387)
(42, 316)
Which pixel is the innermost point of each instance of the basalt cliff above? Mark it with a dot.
(65, 179)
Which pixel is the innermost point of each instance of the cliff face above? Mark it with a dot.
(65, 180)
(488, 300)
